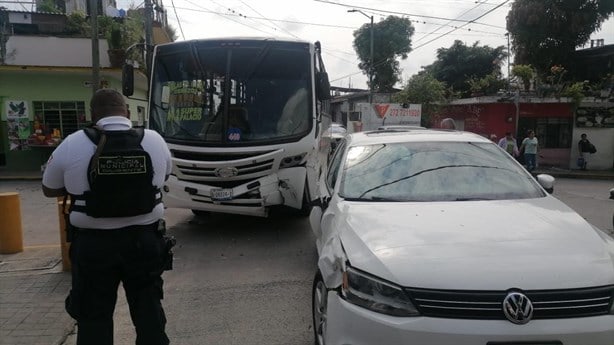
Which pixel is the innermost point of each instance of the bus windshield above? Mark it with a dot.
(210, 93)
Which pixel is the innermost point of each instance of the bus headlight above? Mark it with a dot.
(375, 294)
(291, 161)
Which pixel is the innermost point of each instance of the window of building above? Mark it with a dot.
(68, 117)
(551, 132)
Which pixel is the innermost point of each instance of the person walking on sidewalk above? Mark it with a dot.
(508, 143)
(585, 148)
(529, 147)
(113, 174)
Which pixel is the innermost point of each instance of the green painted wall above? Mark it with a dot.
(47, 85)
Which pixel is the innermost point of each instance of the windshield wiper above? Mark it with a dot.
(472, 199)
(372, 198)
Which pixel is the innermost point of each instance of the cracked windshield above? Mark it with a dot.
(433, 171)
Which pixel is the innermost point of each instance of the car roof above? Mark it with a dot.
(413, 135)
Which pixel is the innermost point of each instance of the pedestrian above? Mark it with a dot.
(508, 143)
(448, 123)
(530, 146)
(113, 174)
(585, 148)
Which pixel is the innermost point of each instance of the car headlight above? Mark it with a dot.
(375, 294)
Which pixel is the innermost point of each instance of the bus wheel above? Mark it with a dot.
(200, 213)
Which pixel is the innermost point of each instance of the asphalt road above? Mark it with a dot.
(245, 280)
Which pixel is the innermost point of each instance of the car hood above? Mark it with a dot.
(479, 245)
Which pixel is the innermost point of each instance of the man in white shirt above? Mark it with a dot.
(115, 213)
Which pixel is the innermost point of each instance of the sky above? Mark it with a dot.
(437, 24)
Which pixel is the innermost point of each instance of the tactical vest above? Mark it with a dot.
(120, 176)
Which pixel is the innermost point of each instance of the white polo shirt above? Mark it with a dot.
(68, 164)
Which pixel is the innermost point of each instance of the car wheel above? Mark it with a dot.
(200, 213)
(319, 308)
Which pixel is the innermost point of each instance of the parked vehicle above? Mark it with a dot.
(244, 120)
(336, 132)
(436, 237)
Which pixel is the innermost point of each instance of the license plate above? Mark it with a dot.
(221, 194)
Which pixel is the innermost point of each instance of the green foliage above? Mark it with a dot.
(391, 40)
(423, 89)
(575, 92)
(460, 63)
(546, 32)
(48, 6)
(525, 73)
(76, 24)
(487, 85)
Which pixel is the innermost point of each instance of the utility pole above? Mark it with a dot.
(508, 61)
(371, 63)
(148, 35)
(95, 48)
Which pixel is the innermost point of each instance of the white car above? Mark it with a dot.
(437, 237)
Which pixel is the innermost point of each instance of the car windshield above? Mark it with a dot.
(433, 171)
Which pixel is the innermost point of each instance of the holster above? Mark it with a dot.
(69, 228)
(169, 243)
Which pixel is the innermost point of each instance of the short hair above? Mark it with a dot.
(107, 102)
(582, 135)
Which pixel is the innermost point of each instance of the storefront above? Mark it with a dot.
(40, 106)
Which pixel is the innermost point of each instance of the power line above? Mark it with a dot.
(405, 13)
(270, 21)
(434, 39)
(225, 16)
(178, 21)
(460, 15)
(449, 32)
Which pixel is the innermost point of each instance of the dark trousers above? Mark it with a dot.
(530, 161)
(101, 259)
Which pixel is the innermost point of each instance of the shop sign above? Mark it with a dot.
(18, 123)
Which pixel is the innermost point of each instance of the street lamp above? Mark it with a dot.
(371, 62)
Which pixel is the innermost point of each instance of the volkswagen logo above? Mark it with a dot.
(226, 172)
(517, 308)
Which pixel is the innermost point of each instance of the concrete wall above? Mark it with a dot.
(53, 51)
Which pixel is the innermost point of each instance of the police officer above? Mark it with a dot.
(113, 174)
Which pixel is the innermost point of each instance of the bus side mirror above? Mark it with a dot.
(128, 80)
(322, 86)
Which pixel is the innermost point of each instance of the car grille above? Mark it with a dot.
(548, 304)
(242, 169)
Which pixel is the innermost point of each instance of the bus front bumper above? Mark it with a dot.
(252, 198)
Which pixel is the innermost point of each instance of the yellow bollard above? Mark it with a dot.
(11, 236)
(65, 246)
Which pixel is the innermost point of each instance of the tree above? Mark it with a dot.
(524, 73)
(391, 40)
(546, 32)
(423, 89)
(460, 63)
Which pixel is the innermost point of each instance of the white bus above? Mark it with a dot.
(244, 119)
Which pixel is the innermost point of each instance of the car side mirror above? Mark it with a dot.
(322, 86)
(547, 182)
(128, 80)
